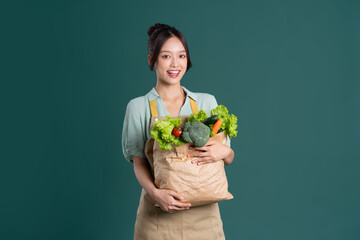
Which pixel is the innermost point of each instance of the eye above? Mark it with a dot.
(183, 56)
(165, 56)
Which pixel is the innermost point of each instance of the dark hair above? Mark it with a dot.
(158, 34)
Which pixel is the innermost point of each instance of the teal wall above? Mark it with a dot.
(288, 69)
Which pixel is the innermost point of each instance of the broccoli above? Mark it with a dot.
(197, 133)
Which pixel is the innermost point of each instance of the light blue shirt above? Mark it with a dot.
(138, 116)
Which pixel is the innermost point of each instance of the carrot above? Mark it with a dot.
(216, 126)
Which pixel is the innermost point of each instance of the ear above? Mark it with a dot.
(149, 59)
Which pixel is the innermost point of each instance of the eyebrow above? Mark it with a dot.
(170, 51)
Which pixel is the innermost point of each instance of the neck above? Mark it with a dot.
(170, 92)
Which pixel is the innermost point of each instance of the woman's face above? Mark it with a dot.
(172, 62)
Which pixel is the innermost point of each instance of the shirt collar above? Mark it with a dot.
(153, 94)
(190, 94)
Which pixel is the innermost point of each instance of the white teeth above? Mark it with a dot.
(174, 72)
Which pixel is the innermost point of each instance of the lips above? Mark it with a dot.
(173, 73)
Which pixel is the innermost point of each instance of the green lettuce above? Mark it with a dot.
(162, 132)
(229, 124)
(221, 111)
(197, 117)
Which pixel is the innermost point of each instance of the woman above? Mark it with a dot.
(161, 213)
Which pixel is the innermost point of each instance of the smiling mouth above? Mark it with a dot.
(173, 73)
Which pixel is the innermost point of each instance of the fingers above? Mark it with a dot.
(211, 152)
(170, 201)
(172, 208)
(201, 157)
(203, 151)
(176, 208)
(182, 205)
(179, 204)
(199, 154)
(200, 161)
(176, 195)
(208, 144)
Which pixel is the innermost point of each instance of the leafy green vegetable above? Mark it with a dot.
(197, 133)
(229, 123)
(221, 111)
(197, 117)
(231, 126)
(162, 132)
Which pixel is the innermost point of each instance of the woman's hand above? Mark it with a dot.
(212, 151)
(169, 201)
(166, 199)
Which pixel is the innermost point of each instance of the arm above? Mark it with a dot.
(167, 200)
(213, 151)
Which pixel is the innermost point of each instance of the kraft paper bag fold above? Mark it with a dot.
(173, 170)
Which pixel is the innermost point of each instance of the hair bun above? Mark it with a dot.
(156, 28)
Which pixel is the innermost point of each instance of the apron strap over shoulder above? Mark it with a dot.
(153, 108)
(194, 106)
(154, 111)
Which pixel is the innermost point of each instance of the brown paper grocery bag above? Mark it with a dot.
(173, 170)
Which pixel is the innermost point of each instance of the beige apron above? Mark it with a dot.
(197, 223)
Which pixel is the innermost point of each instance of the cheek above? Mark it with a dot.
(184, 62)
(164, 64)
(160, 65)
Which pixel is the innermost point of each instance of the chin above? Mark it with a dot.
(171, 81)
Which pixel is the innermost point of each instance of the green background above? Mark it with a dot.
(288, 69)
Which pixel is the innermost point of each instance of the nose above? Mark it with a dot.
(174, 62)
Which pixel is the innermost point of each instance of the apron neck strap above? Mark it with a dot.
(154, 111)
(153, 108)
(194, 106)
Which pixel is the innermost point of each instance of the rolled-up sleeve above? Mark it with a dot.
(133, 134)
